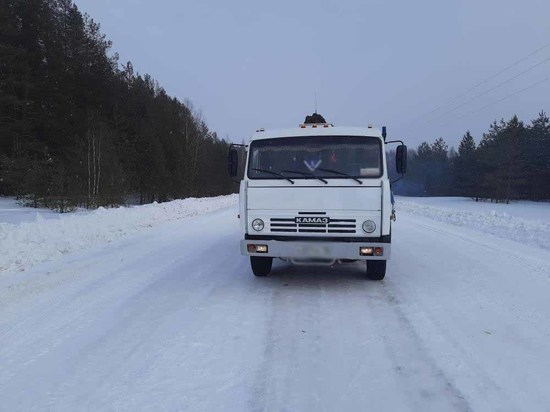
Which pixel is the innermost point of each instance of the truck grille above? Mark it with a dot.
(289, 225)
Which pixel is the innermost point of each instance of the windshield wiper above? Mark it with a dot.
(274, 174)
(340, 173)
(305, 174)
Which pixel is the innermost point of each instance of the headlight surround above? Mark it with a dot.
(258, 225)
(369, 226)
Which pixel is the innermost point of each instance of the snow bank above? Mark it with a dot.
(479, 216)
(525, 209)
(11, 211)
(27, 243)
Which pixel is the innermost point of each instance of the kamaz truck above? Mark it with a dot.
(316, 194)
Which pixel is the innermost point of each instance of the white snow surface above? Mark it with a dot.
(12, 212)
(169, 317)
(29, 242)
(525, 222)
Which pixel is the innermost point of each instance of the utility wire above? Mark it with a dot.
(480, 83)
(485, 92)
(506, 97)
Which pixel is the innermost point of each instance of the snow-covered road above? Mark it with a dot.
(171, 318)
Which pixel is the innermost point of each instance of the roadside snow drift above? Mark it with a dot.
(25, 244)
(524, 222)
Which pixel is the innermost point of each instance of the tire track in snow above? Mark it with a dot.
(493, 393)
(400, 355)
(432, 389)
(447, 346)
(289, 326)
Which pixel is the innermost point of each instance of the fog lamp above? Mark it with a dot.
(252, 248)
(365, 251)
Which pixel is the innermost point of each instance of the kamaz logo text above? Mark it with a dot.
(318, 220)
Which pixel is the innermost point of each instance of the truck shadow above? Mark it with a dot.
(283, 272)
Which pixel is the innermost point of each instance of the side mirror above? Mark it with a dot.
(232, 162)
(401, 159)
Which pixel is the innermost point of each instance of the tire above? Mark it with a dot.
(261, 266)
(376, 269)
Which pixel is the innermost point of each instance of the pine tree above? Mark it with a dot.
(439, 150)
(465, 168)
(467, 146)
(440, 168)
(424, 152)
(505, 173)
(537, 154)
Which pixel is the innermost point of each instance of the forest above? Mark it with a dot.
(80, 129)
(510, 162)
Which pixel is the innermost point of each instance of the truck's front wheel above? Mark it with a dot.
(376, 269)
(261, 266)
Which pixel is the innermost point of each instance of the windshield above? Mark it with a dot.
(330, 157)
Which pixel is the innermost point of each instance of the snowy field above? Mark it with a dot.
(522, 221)
(11, 211)
(155, 309)
(536, 211)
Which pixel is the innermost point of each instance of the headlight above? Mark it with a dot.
(369, 226)
(258, 224)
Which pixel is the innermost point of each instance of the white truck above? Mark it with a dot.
(316, 194)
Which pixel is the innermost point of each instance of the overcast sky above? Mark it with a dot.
(251, 64)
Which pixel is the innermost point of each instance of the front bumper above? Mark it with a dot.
(289, 249)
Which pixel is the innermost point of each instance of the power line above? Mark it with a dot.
(506, 97)
(481, 83)
(486, 92)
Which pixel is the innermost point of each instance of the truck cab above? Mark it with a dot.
(317, 194)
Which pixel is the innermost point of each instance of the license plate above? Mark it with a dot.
(314, 251)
